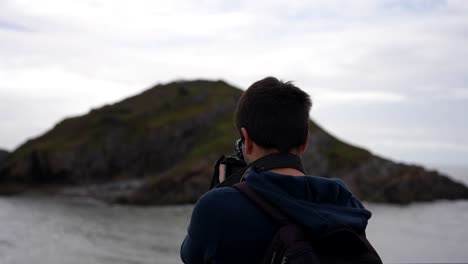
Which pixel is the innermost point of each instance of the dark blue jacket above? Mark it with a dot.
(226, 227)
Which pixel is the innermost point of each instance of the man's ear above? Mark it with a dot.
(248, 143)
(304, 146)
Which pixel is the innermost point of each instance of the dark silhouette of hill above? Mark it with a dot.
(158, 147)
(3, 154)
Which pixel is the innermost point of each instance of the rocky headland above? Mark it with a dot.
(3, 154)
(159, 147)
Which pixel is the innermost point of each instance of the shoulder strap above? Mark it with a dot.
(278, 160)
(244, 188)
(268, 162)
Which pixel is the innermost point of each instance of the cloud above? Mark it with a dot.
(425, 152)
(422, 145)
(357, 97)
(346, 54)
(10, 26)
(459, 94)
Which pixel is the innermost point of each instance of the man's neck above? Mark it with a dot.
(287, 171)
(261, 152)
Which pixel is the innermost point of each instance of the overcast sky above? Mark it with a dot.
(390, 76)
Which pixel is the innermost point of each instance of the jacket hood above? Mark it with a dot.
(314, 202)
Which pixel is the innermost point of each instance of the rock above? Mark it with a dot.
(167, 138)
(3, 154)
(7, 188)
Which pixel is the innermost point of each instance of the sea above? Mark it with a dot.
(66, 230)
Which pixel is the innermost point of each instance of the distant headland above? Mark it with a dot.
(159, 147)
(3, 154)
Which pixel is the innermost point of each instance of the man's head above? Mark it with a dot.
(274, 116)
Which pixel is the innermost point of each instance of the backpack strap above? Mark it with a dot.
(273, 212)
(338, 244)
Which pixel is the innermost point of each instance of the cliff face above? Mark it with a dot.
(136, 138)
(3, 155)
(159, 147)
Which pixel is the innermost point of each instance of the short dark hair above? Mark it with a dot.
(275, 114)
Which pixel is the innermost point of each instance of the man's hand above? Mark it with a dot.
(222, 172)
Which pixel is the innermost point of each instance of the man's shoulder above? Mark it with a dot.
(220, 207)
(221, 191)
(218, 197)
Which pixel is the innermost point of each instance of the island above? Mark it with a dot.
(159, 147)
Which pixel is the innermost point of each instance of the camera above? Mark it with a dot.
(229, 170)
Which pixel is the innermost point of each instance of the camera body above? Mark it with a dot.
(228, 171)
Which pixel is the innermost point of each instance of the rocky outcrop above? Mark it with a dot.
(401, 183)
(3, 154)
(376, 179)
(158, 148)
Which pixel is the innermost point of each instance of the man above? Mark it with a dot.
(226, 227)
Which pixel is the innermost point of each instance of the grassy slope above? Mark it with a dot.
(195, 117)
(160, 107)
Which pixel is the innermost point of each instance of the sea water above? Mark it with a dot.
(58, 230)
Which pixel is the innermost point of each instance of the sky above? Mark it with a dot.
(389, 76)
